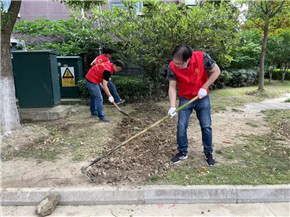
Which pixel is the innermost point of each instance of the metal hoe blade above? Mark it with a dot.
(120, 109)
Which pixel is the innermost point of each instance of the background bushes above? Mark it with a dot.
(134, 88)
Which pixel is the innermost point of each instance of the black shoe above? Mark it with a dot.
(120, 102)
(209, 159)
(105, 120)
(178, 157)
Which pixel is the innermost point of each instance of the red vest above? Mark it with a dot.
(190, 79)
(95, 74)
(102, 58)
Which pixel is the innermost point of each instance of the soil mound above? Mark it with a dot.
(143, 158)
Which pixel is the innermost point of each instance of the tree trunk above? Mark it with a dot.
(285, 69)
(263, 54)
(271, 70)
(9, 115)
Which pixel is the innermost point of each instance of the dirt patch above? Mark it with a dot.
(140, 159)
(80, 138)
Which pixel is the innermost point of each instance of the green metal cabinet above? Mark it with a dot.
(36, 78)
(70, 70)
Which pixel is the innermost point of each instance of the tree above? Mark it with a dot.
(149, 40)
(8, 109)
(278, 54)
(269, 17)
(246, 53)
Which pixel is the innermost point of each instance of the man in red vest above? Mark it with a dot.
(106, 58)
(190, 70)
(97, 75)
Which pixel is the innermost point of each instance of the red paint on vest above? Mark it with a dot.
(190, 79)
(95, 74)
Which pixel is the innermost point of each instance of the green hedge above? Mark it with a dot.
(277, 74)
(135, 88)
(236, 78)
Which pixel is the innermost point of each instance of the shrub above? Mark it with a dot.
(223, 80)
(277, 74)
(131, 88)
(243, 78)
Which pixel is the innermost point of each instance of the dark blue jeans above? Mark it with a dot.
(202, 109)
(96, 99)
(113, 91)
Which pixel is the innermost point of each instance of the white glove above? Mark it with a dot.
(172, 112)
(111, 99)
(202, 93)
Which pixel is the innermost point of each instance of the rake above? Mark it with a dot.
(86, 169)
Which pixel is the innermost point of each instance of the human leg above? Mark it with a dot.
(113, 91)
(96, 99)
(203, 110)
(183, 120)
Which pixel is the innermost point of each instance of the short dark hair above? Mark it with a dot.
(108, 50)
(119, 63)
(182, 52)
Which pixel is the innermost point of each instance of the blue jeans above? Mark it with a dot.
(113, 91)
(202, 109)
(96, 99)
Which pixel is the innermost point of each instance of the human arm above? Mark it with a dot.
(172, 98)
(214, 74)
(106, 77)
(94, 62)
(214, 71)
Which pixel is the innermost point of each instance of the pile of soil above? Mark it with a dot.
(144, 157)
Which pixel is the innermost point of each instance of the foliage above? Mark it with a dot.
(236, 78)
(68, 37)
(149, 40)
(87, 4)
(278, 54)
(269, 17)
(243, 78)
(131, 88)
(5, 16)
(275, 12)
(246, 54)
(277, 74)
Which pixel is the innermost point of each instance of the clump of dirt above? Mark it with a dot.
(144, 157)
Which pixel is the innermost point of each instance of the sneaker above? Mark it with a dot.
(105, 120)
(209, 159)
(121, 101)
(178, 157)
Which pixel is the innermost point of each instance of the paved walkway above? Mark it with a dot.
(224, 210)
(278, 103)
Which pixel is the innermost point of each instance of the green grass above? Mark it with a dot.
(233, 97)
(261, 159)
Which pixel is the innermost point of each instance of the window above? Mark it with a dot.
(139, 5)
(191, 2)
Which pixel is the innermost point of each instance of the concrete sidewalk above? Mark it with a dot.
(196, 194)
(224, 210)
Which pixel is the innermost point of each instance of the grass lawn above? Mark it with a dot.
(238, 96)
(259, 159)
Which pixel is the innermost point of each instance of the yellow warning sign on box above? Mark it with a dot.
(68, 77)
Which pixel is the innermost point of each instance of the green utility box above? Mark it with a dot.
(36, 78)
(70, 70)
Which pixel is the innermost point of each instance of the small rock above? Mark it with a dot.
(48, 204)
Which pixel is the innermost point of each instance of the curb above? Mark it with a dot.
(149, 195)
